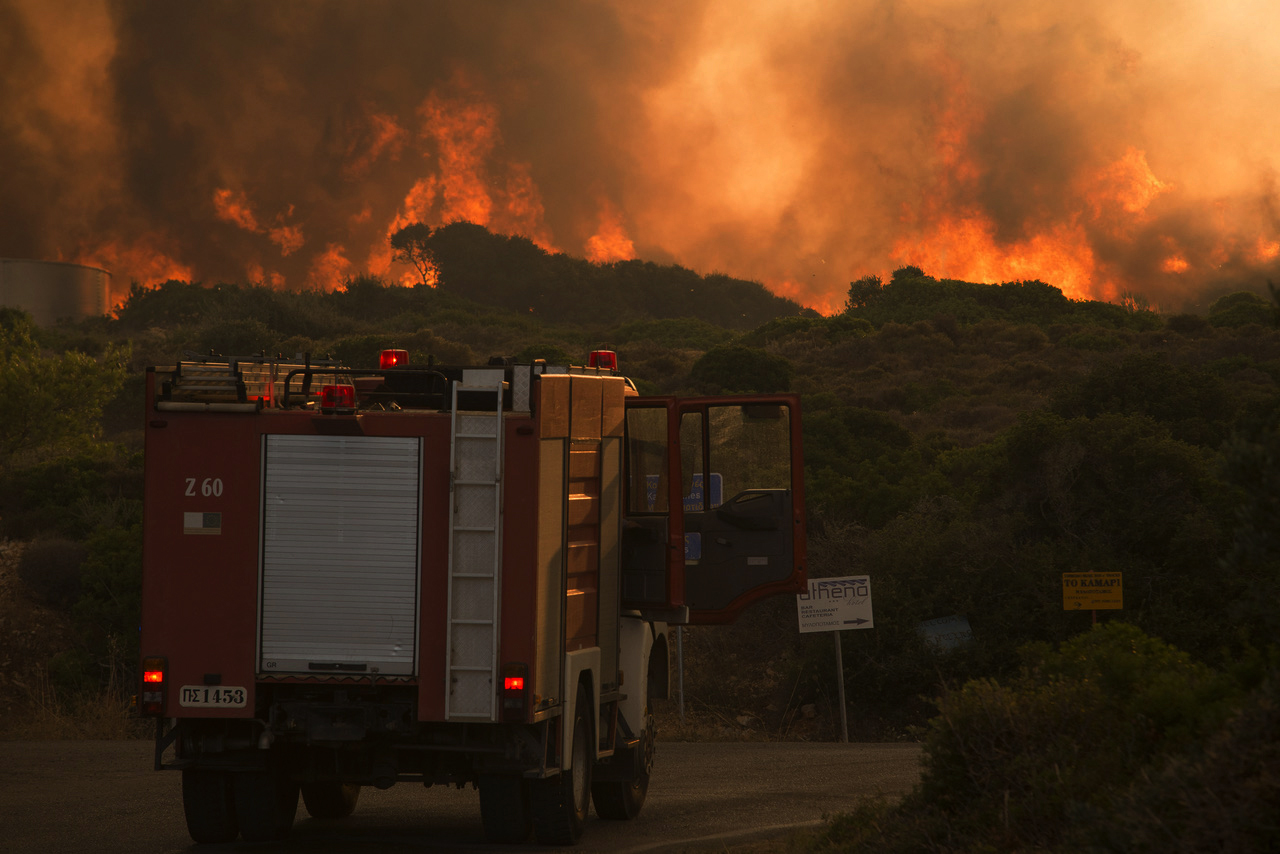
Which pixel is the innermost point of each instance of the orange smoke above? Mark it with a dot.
(141, 262)
(1094, 146)
(329, 269)
(384, 136)
(1266, 250)
(233, 207)
(1128, 183)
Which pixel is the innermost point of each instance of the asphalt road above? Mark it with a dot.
(102, 796)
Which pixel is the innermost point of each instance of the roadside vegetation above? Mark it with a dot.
(965, 445)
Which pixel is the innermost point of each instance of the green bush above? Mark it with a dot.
(70, 496)
(1024, 765)
(1220, 795)
(51, 403)
(107, 613)
(236, 337)
(1240, 309)
(741, 369)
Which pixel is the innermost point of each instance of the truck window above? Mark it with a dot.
(647, 459)
(691, 462)
(750, 448)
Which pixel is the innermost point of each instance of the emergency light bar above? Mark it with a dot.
(393, 359)
(604, 359)
(338, 398)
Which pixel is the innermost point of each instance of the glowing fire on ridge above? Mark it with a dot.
(949, 237)
(610, 242)
(947, 232)
(148, 266)
(1088, 145)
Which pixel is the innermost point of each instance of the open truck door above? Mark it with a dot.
(715, 504)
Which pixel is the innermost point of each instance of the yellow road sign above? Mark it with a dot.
(1092, 591)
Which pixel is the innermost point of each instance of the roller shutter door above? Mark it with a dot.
(340, 554)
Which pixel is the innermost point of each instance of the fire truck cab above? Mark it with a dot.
(440, 575)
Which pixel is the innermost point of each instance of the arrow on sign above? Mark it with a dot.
(856, 622)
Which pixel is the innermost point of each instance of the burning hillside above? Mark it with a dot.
(1106, 148)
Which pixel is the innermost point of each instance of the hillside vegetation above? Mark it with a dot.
(965, 445)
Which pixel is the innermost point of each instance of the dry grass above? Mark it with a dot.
(32, 707)
(54, 715)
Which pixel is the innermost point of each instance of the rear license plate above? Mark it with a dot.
(213, 696)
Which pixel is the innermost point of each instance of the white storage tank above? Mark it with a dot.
(51, 290)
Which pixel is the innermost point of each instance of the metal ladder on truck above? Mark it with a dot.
(475, 546)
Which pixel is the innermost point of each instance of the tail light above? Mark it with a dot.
(393, 359)
(604, 359)
(515, 692)
(338, 398)
(155, 674)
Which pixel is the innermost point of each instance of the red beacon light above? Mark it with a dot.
(338, 398)
(605, 360)
(393, 359)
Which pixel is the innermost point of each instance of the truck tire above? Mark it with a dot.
(266, 803)
(209, 805)
(504, 808)
(326, 799)
(560, 803)
(623, 799)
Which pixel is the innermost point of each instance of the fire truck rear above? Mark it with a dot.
(440, 575)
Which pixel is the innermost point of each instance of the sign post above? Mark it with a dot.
(835, 605)
(1095, 591)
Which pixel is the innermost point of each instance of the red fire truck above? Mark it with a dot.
(440, 575)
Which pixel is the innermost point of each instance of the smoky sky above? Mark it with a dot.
(1105, 148)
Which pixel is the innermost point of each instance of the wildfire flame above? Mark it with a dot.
(149, 266)
(610, 242)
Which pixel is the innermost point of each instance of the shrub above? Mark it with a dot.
(1025, 766)
(106, 614)
(70, 496)
(1065, 737)
(236, 337)
(50, 567)
(1240, 309)
(741, 369)
(1222, 795)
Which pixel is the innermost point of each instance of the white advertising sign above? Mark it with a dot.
(836, 604)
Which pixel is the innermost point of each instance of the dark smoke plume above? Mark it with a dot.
(1106, 148)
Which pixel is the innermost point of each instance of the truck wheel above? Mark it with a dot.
(560, 803)
(504, 808)
(329, 798)
(622, 799)
(209, 805)
(266, 803)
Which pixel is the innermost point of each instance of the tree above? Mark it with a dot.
(412, 246)
(49, 401)
(864, 292)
